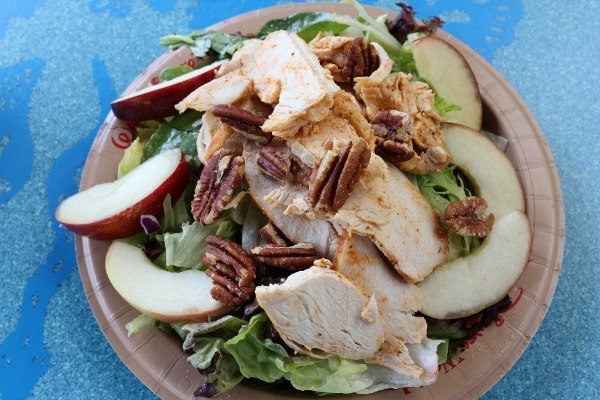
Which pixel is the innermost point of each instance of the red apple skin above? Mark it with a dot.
(127, 222)
(158, 101)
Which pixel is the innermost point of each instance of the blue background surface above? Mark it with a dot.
(63, 61)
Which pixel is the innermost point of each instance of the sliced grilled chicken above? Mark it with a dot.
(391, 211)
(232, 88)
(359, 259)
(283, 64)
(385, 206)
(320, 312)
(272, 197)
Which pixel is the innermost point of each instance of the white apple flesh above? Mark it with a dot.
(470, 284)
(158, 101)
(487, 167)
(449, 75)
(112, 210)
(467, 285)
(176, 297)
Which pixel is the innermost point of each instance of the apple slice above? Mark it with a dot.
(451, 77)
(470, 284)
(158, 101)
(163, 295)
(112, 210)
(488, 168)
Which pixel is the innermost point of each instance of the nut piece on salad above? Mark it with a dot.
(337, 173)
(292, 258)
(469, 217)
(219, 180)
(398, 92)
(346, 58)
(232, 270)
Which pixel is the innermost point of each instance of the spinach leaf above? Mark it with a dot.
(179, 132)
(306, 24)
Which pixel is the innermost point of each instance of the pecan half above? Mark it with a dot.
(300, 171)
(337, 174)
(232, 270)
(393, 131)
(469, 217)
(272, 235)
(219, 180)
(293, 258)
(273, 162)
(243, 121)
(361, 60)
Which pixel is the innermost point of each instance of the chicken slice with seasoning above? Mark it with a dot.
(321, 313)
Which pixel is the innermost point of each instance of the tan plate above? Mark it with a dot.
(157, 359)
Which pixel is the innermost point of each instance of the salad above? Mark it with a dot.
(240, 238)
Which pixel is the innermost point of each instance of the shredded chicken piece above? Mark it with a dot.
(399, 92)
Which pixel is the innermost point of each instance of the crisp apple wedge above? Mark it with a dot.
(451, 77)
(470, 284)
(163, 295)
(487, 167)
(112, 210)
(158, 101)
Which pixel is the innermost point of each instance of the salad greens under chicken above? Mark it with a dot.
(244, 343)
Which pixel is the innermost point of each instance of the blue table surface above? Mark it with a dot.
(63, 61)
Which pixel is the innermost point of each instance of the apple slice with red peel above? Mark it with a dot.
(450, 76)
(470, 284)
(158, 101)
(177, 297)
(112, 210)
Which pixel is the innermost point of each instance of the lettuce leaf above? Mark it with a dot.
(257, 356)
(440, 189)
(183, 249)
(331, 375)
(207, 341)
(305, 24)
(204, 42)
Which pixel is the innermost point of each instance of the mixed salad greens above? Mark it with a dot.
(244, 344)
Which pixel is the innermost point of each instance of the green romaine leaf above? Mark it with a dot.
(139, 322)
(183, 249)
(132, 157)
(331, 375)
(257, 356)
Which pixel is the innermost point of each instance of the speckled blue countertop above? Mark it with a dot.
(63, 61)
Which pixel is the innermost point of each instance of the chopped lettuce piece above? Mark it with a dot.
(331, 375)
(132, 157)
(374, 29)
(139, 322)
(207, 340)
(440, 189)
(305, 24)
(206, 42)
(173, 72)
(258, 356)
(183, 249)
